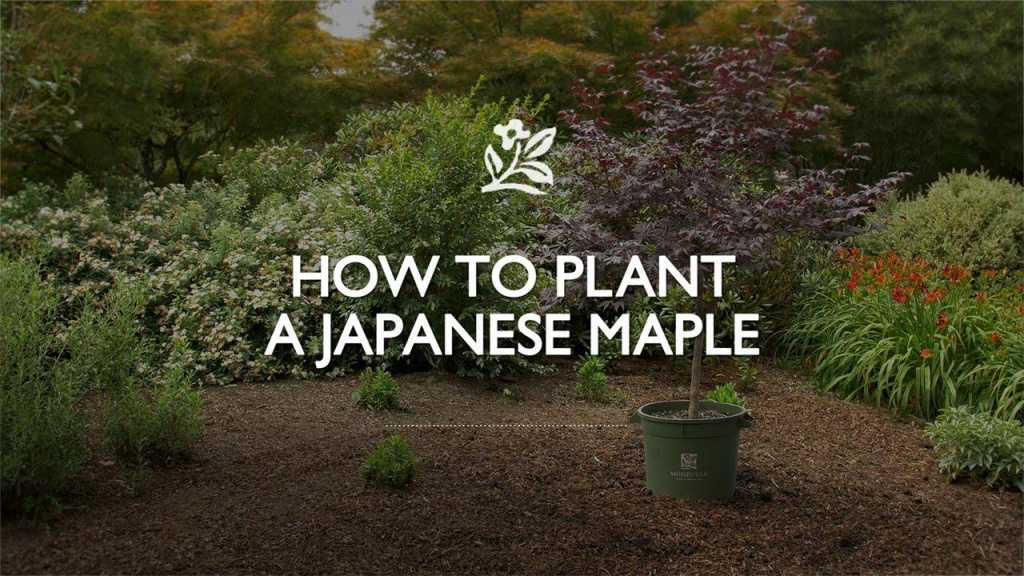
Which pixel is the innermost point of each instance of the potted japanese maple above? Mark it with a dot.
(710, 161)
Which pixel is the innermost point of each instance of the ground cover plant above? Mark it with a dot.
(748, 374)
(726, 394)
(979, 445)
(914, 336)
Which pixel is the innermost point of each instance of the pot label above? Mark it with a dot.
(688, 469)
(687, 461)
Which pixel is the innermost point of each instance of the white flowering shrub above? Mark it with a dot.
(224, 297)
(231, 274)
(80, 247)
(213, 260)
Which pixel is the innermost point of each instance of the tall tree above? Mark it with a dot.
(163, 83)
(935, 86)
(518, 48)
(37, 92)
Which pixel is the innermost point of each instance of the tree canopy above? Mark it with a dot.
(158, 85)
(148, 89)
(934, 86)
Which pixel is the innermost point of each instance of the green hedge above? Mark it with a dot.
(966, 219)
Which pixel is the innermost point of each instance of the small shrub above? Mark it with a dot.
(966, 219)
(726, 394)
(148, 429)
(748, 374)
(377, 390)
(591, 381)
(416, 183)
(390, 464)
(41, 438)
(42, 449)
(979, 445)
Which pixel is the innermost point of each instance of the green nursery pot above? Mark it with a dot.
(694, 459)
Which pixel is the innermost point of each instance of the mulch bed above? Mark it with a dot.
(823, 486)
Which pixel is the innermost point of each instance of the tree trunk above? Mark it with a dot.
(698, 350)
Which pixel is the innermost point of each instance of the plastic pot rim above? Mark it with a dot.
(641, 413)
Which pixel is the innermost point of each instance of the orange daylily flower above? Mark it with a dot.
(899, 295)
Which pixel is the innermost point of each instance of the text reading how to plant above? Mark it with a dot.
(505, 334)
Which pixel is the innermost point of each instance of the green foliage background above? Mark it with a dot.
(115, 89)
(162, 162)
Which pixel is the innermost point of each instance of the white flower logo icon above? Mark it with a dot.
(512, 135)
(511, 132)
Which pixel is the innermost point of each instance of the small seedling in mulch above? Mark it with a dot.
(591, 381)
(391, 463)
(377, 390)
(620, 397)
(726, 394)
(509, 394)
(748, 374)
(610, 350)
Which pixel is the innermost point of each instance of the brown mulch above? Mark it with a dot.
(823, 487)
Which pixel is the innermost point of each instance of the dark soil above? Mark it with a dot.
(823, 487)
(685, 415)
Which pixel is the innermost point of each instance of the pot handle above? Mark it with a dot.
(747, 421)
(635, 418)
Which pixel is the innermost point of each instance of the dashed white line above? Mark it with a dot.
(506, 425)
